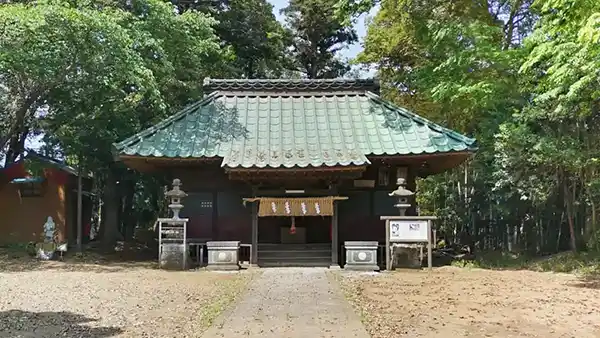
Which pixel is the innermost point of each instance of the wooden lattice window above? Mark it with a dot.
(402, 172)
(383, 176)
(31, 189)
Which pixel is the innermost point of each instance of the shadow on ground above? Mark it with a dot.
(92, 259)
(589, 282)
(586, 265)
(17, 323)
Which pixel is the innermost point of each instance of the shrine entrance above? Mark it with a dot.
(306, 230)
(295, 231)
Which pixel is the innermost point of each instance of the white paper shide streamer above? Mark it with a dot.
(317, 208)
(287, 207)
(303, 207)
(274, 207)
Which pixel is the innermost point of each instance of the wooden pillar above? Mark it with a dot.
(334, 237)
(254, 258)
(79, 208)
(388, 263)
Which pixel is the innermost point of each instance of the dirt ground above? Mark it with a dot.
(87, 300)
(455, 302)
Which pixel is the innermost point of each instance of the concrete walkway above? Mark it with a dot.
(290, 302)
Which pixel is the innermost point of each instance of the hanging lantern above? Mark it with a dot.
(293, 227)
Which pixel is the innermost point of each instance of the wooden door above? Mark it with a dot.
(198, 207)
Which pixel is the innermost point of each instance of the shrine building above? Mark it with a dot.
(293, 168)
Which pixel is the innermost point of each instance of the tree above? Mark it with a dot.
(318, 36)
(457, 64)
(257, 39)
(103, 72)
(257, 42)
(557, 127)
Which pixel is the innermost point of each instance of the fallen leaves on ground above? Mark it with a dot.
(453, 302)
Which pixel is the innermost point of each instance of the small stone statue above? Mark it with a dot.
(49, 228)
(46, 249)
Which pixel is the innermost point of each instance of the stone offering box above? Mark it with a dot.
(223, 255)
(361, 255)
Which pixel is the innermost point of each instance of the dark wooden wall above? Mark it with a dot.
(217, 212)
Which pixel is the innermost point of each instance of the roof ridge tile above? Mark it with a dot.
(301, 85)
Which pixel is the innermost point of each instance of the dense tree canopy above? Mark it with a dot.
(522, 77)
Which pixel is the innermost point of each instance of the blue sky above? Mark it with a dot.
(353, 50)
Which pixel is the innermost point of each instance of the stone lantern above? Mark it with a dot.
(172, 238)
(175, 195)
(403, 195)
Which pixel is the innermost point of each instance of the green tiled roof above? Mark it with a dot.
(249, 126)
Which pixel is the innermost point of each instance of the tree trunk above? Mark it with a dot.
(128, 216)
(569, 207)
(509, 27)
(16, 145)
(18, 124)
(110, 233)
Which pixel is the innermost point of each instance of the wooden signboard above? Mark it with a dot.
(408, 229)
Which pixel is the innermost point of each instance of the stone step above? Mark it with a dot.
(293, 247)
(296, 258)
(299, 261)
(293, 265)
(294, 253)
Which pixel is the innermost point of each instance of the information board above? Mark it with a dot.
(409, 230)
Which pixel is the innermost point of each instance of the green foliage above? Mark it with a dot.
(318, 35)
(345, 10)
(102, 73)
(519, 75)
(585, 263)
(258, 41)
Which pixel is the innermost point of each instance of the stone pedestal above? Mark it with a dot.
(407, 256)
(361, 256)
(172, 256)
(223, 255)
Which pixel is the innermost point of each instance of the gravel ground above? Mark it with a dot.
(454, 302)
(290, 302)
(113, 302)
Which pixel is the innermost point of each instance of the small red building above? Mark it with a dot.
(35, 188)
(284, 146)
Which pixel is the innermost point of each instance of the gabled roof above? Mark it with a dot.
(292, 123)
(18, 171)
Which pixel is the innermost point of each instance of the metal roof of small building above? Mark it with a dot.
(292, 123)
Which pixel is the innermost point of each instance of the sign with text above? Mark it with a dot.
(409, 230)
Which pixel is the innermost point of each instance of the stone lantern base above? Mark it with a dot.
(172, 257)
